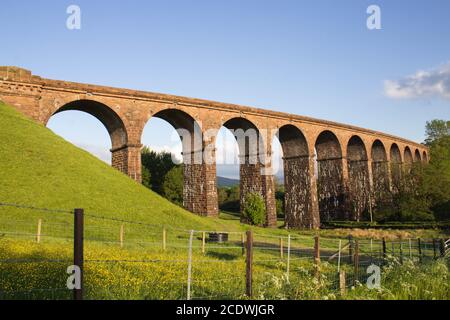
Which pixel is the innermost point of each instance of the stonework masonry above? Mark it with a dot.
(356, 168)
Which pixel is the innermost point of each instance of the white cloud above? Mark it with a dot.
(431, 83)
(175, 150)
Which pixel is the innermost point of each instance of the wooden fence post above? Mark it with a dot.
(350, 249)
(243, 243)
(38, 234)
(249, 265)
(164, 239)
(189, 277)
(339, 256)
(434, 249)
(78, 249)
(317, 256)
(356, 263)
(442, 248)
(281, 247)
(121, 236)
(203, 241)
(342, 282)
(384, 248)
(419, 248)
(410, 248)
(371, 250)
(401, 251)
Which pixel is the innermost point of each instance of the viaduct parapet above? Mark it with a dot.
(331, 170)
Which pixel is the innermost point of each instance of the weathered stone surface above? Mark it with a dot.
(338, 190)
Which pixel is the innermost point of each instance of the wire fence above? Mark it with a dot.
(126, 259)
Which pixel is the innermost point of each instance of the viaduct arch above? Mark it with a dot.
(332, 170)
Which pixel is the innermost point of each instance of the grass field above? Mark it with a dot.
(40, 169)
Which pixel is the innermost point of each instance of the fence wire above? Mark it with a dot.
(127, 259)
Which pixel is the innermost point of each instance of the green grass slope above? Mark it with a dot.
(41, 169)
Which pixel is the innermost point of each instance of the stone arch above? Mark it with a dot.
(378, 151)
(408, 160)
(380, 174)
(358, 173)
(408, 155)
(194, 180)
(424, 157)
(106, 115)
(188, 130)
(252, 157)
(298, 175)
(417, 157)
(120, 156)
(330, 184)
(396, 167)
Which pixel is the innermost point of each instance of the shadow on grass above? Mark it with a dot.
(222, 256)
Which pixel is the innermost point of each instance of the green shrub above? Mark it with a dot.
(254, 209)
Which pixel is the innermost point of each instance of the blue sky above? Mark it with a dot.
(313, 58)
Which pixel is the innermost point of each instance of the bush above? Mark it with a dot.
(254, 210)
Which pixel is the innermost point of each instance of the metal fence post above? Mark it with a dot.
(249, 265)
(350, 249)
(191, 236)
(419, 248)
(78, 249)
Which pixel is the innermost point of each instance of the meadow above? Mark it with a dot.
(41, 170)
(141, 265)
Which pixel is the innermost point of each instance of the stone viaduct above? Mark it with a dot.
(332, 170)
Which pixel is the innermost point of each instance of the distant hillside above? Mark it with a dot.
(227, 182)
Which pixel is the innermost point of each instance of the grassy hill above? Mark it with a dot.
(41, 169)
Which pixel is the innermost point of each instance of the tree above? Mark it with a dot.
(146, 177)
(435, 130)
(158, 164)
(172, 188)
(229, 198)
(424, 192)
(279, 198)
(436, 179)
(254, 210)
